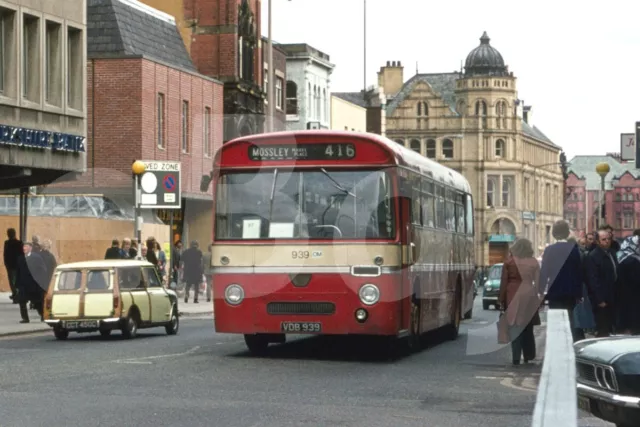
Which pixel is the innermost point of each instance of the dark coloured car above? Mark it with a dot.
(608, 379)
(491, 288)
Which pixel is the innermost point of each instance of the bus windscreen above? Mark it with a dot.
(309, 204)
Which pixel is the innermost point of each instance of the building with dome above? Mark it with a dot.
(474, 122)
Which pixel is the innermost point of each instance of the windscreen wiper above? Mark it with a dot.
(337, 185)
(273, 193)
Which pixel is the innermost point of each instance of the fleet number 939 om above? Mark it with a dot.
(302, 254)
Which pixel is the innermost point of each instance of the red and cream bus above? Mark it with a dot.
(325, 232)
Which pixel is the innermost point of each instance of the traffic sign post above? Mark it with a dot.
(160, 185)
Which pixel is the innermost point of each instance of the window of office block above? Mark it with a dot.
(75, 66)
(30, 57)
(7, 52)
(53, 63)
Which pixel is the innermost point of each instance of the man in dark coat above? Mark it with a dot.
(562, 272)
(12, 251)
(114, 251)
(193, 270)
(602, 275)
(30, 279)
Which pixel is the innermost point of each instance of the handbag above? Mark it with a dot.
(503, 329)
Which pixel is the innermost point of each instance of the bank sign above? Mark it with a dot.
(11, 136)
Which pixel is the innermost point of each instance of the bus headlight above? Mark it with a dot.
(369, 294)
(234, 294)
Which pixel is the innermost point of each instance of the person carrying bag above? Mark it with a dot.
(520, 301)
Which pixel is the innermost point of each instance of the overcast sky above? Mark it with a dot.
(577, 63)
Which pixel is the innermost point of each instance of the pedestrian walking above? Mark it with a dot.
(192, 267)
(519, 299)
(50, 264)
(114, 251)
(176, 254)
(562, 274)
(583, 313)
(208, 271)
(151, 252)
(162, 261)
(628, 288)
(31, 274)
(125, 250)
(602, 276)
(12, 251)
(133, 250)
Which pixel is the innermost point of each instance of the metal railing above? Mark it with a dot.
(556, 403)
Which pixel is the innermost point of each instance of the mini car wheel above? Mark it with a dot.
(60, 333)
(130, 327)
(174, 323)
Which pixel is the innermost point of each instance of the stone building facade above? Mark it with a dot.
(280, 76)
(474, 122)
(308, 90)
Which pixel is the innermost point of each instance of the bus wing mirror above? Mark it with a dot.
(205, 181)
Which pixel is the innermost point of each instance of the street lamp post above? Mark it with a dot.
(270, 82)
(602, 169)
(138, 168)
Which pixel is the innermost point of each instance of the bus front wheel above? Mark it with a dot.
(256, 343)
(453, 329)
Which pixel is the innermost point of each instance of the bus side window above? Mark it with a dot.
(428, 208)
(440, 214)
(469, 214)
(415, 203)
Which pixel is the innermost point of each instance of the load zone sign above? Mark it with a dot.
(160, 185)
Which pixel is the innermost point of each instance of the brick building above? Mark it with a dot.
(224, 40)
(621, 198)
(147, 101)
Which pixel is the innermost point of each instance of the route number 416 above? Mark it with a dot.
(340, 151)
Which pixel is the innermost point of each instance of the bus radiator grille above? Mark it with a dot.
(301, 308)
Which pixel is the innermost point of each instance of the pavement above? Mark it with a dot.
(10, 316)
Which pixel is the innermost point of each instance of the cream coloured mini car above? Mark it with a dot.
(107, 295)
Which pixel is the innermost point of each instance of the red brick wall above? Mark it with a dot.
(177, 87)
(216, 54)
(125, 92)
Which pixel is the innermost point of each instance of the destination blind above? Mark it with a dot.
(318, 152)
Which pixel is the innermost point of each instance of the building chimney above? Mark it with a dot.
(388, 63)
(391, 78)
(527, 115)
(399, 64)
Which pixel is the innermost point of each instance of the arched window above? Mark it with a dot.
(507, 192)
(318, 104)
(431, 149)
(461, 108)
(500, 148)
(415, 145)
(501, 115)
(481, 113)
(292, 98)
(423, 109)
(325, 105)
(447, 149)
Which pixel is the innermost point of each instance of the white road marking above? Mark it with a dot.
(146, 360)
(528, 384)
(487, 378)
